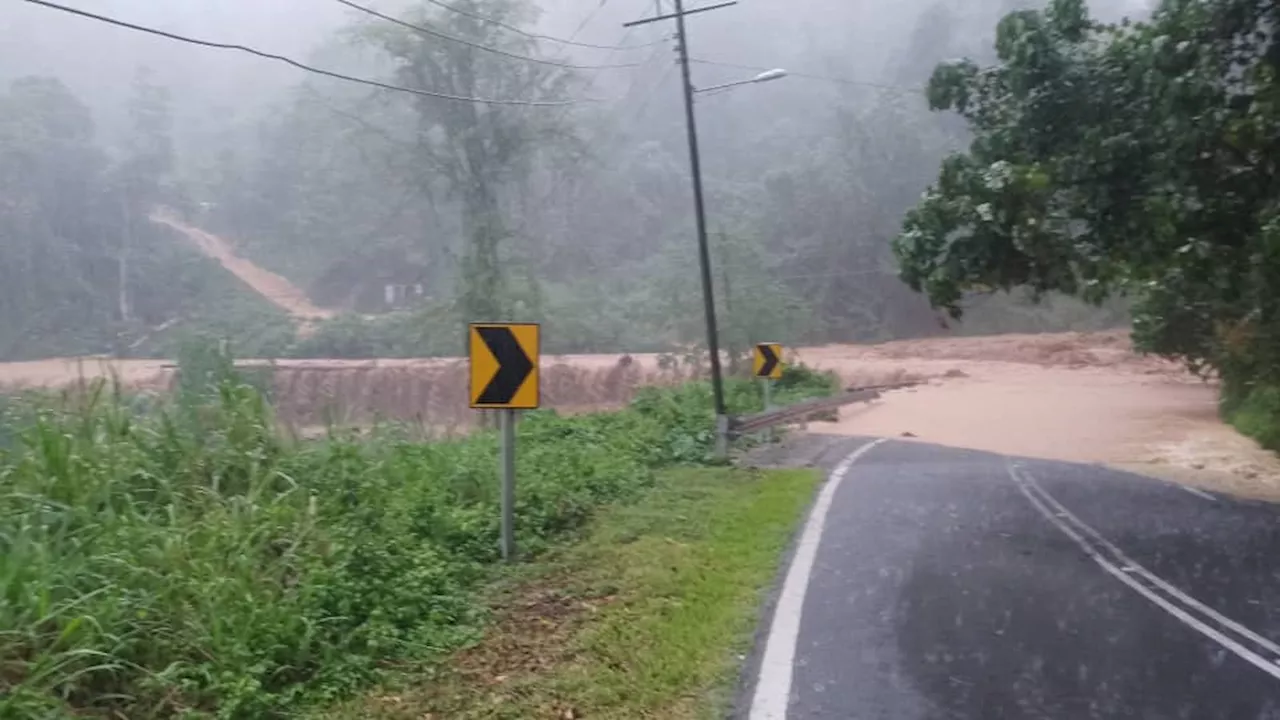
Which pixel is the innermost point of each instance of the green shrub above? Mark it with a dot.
(1257, 415)
(800, 381)
(182, 561)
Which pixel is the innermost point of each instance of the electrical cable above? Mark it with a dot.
(647, 98)
(478, 46)
(587, 20)
(653, 91)
(536, 36)
(299, 65)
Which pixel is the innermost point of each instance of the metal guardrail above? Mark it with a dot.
(791, 413)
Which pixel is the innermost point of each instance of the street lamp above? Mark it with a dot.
(766, 76)
(704, 253)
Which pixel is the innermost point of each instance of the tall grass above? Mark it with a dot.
(181, 560)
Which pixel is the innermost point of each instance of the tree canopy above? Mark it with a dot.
(1135, 158)
(81, 268)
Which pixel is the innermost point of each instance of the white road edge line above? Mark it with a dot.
(1198, 493)
(1186, 618)
(773, 685)
(1158, 581)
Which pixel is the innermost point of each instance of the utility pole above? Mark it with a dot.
(699, 209)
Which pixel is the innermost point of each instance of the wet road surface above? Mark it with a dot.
(952, 584)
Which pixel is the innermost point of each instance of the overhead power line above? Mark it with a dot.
(587, 20)
(812, 76)
(478, 46)
(535, 36)
(608, 134)
(653, 91)
(295, 63)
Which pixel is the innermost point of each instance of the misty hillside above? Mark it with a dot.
(576, 213)
(492, 359)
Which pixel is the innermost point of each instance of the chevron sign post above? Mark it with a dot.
(504, 377)
(767, 366)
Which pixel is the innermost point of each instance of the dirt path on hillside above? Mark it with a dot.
(1081, 398)
(275, 288)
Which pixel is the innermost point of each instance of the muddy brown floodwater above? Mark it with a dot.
(1075, 397)
(1083, 397)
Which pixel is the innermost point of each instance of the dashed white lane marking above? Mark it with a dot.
(1076, 529)
(1199, 493)
(773, 685)
(1133, 566)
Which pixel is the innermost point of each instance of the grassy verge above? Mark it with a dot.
(648, 617)
(178, 559)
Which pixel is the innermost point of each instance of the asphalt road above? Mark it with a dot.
(951, 584)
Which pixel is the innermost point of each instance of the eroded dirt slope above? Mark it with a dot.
(275, 288)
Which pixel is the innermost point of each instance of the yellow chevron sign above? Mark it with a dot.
(768, 361)
(504, 365)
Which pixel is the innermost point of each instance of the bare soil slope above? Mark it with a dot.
(275, 288)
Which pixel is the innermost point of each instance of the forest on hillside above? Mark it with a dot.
(568, 202)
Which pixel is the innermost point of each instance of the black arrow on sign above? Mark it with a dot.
(514, 366)
(770, 360)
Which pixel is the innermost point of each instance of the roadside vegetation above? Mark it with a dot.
(176, 558)
(648, 617)
(1123, 160)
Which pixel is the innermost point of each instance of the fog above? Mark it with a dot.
(861, 41)
(857, 40)
(807, 177)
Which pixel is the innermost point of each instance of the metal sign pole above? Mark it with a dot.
(507, 419)
(767, 366)
(768, 405)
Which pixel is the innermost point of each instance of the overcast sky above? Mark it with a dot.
(215, 90)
